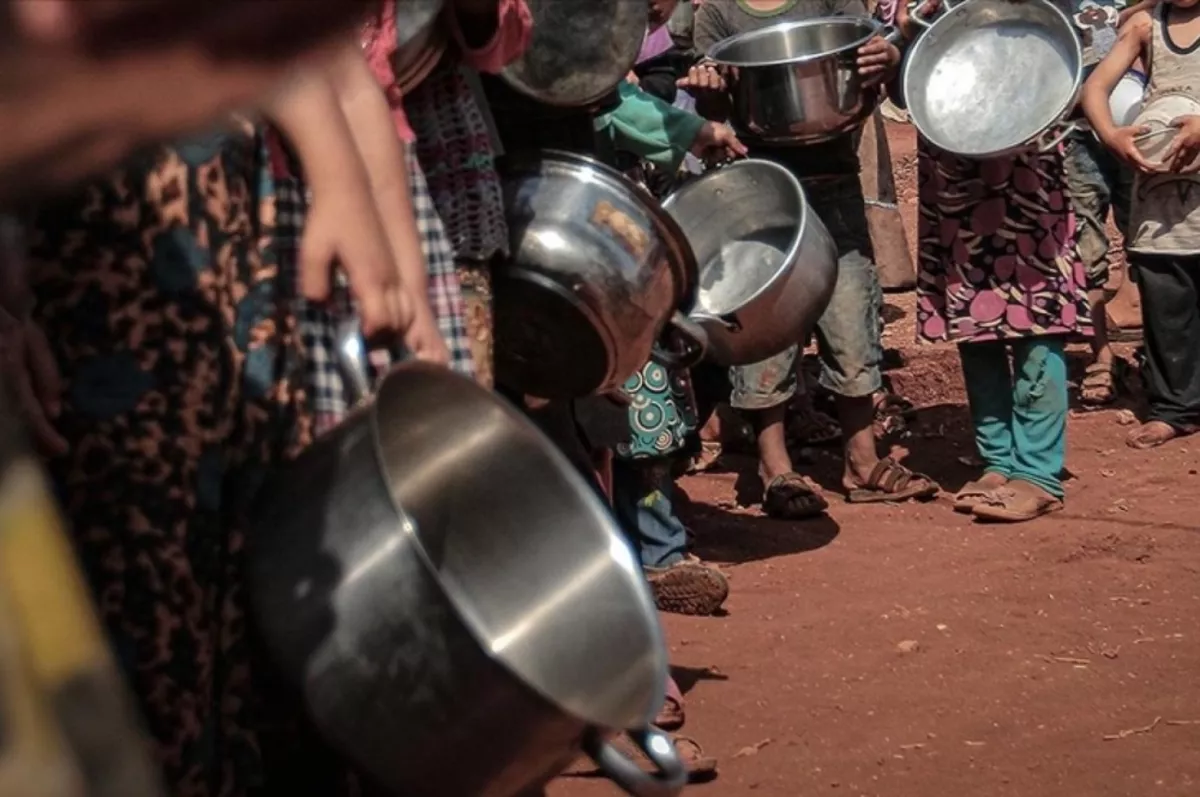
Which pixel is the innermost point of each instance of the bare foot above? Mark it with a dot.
(1151, 434)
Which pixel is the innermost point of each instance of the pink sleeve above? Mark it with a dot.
(379, 42)
(513, 32)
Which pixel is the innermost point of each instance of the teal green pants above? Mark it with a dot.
(1019, 412)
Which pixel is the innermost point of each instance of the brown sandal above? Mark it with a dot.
(1016, 502)
(1098, 388)
(974, 493)
(891, 482)
(792, 497)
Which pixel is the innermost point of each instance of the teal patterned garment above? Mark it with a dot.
(662, 412)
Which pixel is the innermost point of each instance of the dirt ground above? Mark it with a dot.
(902, 651)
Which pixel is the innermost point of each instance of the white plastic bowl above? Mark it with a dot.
(1125, 102)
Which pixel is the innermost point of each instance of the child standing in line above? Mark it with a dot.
(848, 333)
(1098, 181)
(1164, 239)
(998, 272)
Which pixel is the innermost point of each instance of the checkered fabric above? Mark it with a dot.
(445, 293)
(318, 323)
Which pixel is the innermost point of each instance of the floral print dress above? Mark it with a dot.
(997, 249)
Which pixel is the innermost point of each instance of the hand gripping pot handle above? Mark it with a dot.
(351, 356)
(667, 781)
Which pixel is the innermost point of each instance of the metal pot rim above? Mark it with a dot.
(462, 604)
(793, 250)
(672, 232)
(1015, 147)
(714, 52)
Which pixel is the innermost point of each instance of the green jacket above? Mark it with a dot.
(647, 127)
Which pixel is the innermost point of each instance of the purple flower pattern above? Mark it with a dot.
(997, 255)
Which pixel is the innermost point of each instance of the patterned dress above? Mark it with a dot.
(318, 324)
(997, 249)
(160, 291)
(455, 149)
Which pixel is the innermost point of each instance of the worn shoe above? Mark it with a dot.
(688, 587)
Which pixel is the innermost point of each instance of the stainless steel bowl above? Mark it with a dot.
(798, 82)
(768, 266)
(597, 271)
(434, 578)
(580, 51)
(991, 78)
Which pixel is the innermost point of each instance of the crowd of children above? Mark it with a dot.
(170, 326)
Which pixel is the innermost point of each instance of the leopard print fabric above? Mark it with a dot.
(159, 288)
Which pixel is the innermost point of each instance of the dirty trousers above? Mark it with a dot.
(1170, 286)
(1019, 412)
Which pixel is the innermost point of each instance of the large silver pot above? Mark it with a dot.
(990, 78)
(581, 50)
(798, 82)
(596, 273)
(456, 607)
(768, 266)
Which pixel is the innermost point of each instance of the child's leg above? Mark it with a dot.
(763, 390)
(642, 503)
(1040, 412)
(990, 394)
(643, 507)
(1170, 287)
(1091, 196)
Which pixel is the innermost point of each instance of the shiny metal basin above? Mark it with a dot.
(993, 77)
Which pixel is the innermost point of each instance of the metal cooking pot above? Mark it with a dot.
(456, 606)
(798, 82)
(580, 51)
(596, 273)
(965, 92)
(768, 266)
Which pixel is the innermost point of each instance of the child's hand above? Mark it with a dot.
(704, 76)
(423, 338)
(343, 228)
(1183, 155)
(877, 60)
(717, 142)
(1123, 143)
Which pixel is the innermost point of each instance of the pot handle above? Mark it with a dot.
(892, 35)
(351, 353)
(1067, 129)
(667, 781)
(693, 343)
(916, 7)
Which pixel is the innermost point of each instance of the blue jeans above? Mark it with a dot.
(848, 332)
(1019, 414)
(642, 491)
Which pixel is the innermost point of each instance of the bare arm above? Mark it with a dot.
(375, 137)
(1132, 42)
(1127, 13)
(343, 223)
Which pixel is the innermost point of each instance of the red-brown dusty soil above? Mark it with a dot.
(906, 652)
